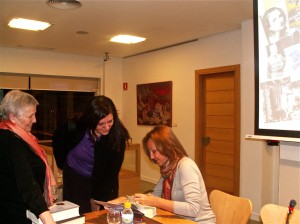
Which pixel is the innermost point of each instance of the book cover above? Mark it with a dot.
(63, 210)
(59, 211)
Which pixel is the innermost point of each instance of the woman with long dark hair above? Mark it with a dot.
(90, 149)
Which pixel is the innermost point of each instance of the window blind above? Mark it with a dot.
(14, 81)
(44, 82)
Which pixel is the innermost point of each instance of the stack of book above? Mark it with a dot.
(63, 212)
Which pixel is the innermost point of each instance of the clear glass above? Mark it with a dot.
(113, 216)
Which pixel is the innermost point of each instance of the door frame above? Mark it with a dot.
(199, 74)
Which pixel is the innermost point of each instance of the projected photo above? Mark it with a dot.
(277, 43)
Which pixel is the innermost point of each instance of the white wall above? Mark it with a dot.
(112, 78)
(289, 173)
(49, 63)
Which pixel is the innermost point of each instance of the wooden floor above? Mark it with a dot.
(131, 183)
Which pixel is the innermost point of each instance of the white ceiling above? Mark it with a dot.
(163, 22)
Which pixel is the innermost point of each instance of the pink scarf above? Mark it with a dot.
(50, 187)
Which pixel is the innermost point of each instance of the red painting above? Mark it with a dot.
(154, 103)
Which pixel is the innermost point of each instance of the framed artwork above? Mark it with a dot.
(154, 103)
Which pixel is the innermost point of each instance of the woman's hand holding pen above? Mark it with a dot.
(145, 199)
(151, 200)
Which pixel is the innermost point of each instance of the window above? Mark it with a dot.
(59, 97)
(55, 107)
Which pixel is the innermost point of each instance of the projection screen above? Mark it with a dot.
(277, 67)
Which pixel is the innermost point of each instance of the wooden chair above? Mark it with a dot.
(229, 208)
(276, 214)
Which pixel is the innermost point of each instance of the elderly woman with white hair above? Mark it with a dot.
(27, 180)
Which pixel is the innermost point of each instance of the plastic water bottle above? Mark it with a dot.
(127, 213)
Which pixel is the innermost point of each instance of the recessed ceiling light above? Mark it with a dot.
(28, 24)
(64, 4)
(127, 39)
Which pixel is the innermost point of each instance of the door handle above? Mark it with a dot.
(205, 140)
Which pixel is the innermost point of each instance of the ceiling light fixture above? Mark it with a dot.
(28, 24)
(64, 4)
(127, 39)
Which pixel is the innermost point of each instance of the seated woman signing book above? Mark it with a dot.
(181, 189)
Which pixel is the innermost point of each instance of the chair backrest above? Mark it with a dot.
(276, 214)
(229, 208)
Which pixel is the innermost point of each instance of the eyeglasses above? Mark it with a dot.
(109, 123)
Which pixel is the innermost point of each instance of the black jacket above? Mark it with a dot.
(22, 175)
(107, 162)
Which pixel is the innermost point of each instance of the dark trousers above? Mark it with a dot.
(77, 189)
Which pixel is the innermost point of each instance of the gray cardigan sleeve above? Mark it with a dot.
(188, 189)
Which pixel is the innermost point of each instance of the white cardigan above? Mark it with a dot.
(189, 193)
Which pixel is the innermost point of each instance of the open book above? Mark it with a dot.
(59, 211)
(137, 209)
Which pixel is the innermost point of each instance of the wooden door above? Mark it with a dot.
(218, 127)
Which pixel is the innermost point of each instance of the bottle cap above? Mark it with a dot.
(127, 204)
